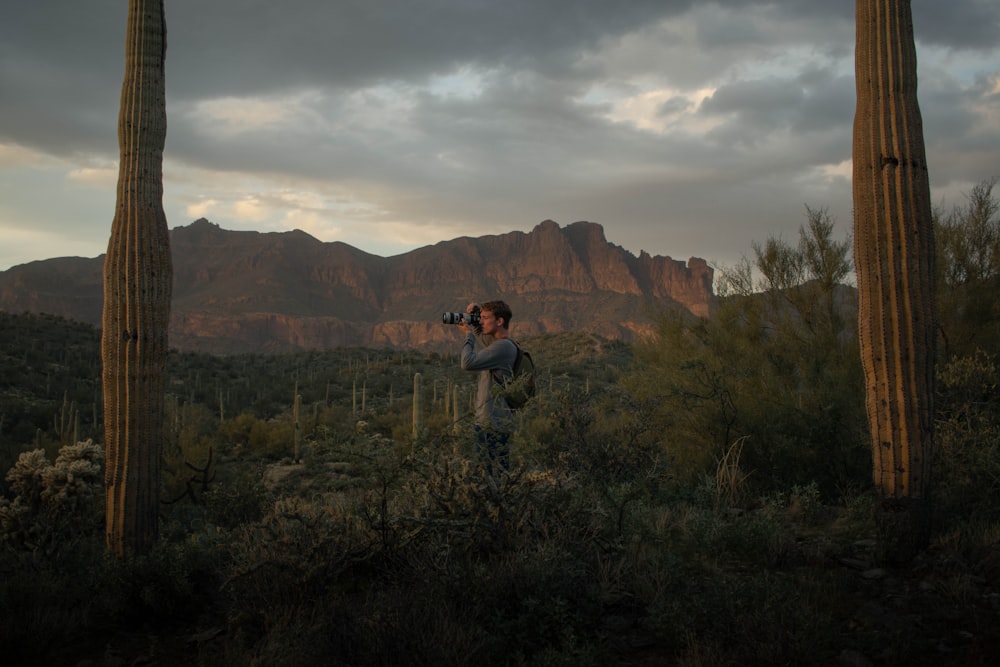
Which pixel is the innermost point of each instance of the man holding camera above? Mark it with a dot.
(494, 361)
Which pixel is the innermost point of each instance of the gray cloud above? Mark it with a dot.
(970, 25)
(686, 128)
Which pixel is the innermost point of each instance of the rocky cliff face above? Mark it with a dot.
(269, 292)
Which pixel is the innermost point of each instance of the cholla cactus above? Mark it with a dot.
(26, 477)
(53, 501)
(76, 479)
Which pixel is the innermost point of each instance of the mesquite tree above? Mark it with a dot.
(137, 286)
(894, 256)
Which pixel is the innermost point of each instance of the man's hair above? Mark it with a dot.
(499, 309)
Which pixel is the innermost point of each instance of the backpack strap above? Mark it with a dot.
(501, 381)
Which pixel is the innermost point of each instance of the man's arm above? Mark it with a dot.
(495, 357)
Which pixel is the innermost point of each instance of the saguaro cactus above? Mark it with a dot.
(297, 426)
(137, 286)
(894, 256)
(418, 405)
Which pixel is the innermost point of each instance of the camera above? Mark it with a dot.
(472, 319)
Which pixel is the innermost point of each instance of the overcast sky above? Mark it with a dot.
(684, 127)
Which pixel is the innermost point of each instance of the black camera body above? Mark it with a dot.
(472, 319)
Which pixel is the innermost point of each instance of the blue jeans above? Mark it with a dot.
(492, 447)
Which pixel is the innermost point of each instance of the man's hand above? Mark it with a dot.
(464, 326)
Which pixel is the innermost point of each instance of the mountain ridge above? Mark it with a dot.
(245, 291)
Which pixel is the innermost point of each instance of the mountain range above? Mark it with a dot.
(268, 292)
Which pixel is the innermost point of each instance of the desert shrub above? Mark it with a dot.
(271, 439)
(58, 584)
(54, 503)
(750, 617)
(500, 565)
(432, 562)
(47, 603)
(450, 499)
(967, 464)
(236, 431)
(967, 242)
(967, 428)
(176, 581)
(286, 573)
(237, 497)
(802, 504)
(531, 605)
(604, 443)
(776, 366)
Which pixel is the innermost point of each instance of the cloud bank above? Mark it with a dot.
(685, 128)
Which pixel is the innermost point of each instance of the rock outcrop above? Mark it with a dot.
(269, 292)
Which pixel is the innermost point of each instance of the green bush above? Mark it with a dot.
(776, 367)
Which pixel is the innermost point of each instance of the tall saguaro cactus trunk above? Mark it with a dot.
(138, 280)
(894, 255)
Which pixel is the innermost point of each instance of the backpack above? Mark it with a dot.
(519, 389)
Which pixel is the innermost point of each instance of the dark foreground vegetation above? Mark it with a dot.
(699, 499)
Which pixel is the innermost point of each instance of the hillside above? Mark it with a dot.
(275, 292)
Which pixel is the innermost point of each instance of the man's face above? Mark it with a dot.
(488, 321)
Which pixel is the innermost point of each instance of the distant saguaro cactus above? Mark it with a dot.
(297, 425)
(138, 278)
(67, 422)
(418, 407)
(894, 256)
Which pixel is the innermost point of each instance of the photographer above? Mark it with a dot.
(494, 361)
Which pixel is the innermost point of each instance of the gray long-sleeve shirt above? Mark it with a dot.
(495, 362)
